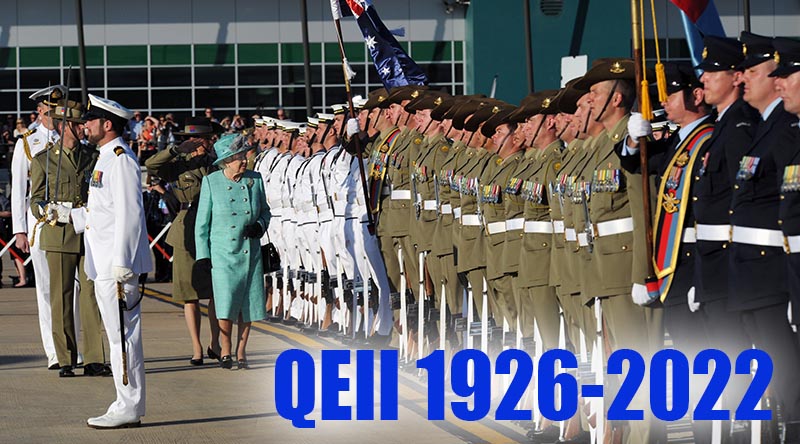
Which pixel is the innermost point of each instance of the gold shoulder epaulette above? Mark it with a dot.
(25, 145)
(29, 132)
(119, 150)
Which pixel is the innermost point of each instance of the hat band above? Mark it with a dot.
(197, 129)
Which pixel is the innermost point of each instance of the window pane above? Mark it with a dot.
(438, 72)
(335, 75)
(215, 98)
(46, 56)
(258, 97)
(8, 57)
(127, 77)
(294, 75)
(8, 79)
(258, 75)
(94, 56)
(136, 99)
(172, 98)
(430, 51)
(213, 76)
(213, 54)
(127, 55)
(8, 101)
(171, 76)
(170, 54)
(293, 52)
(296, 96)
(94, 78)
(258, 53)
(38, 78)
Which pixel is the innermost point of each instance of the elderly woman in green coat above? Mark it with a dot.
(232, 215)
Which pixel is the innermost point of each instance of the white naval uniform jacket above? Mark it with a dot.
(115, 233)
(22, 219)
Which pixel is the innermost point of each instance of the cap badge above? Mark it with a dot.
(777, 57)
(381, 99)
(438, 101)
(617, 68)
(415, 94)
(705, 53)
(495, 110)
(546, 102)
(744, 49)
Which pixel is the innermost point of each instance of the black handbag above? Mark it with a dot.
(271, 258)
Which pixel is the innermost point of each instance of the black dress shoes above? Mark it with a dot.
(54, 367)
(226, 362)
(196, 362)
(212, 354)
(96, 369)
(66, 372)
(242, 364)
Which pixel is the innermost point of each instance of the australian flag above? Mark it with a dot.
(393, 64)
(700, 18)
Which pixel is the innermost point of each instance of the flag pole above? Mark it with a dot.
(746, 10)
(359, 153)
(637, 57)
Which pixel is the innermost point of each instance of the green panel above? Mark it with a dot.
(458, 55)
(127, 55)
(258, 53)
(431, 51)
(170, 54)
(94, 56)
(353, 50)
(41, 56)
(293, 52)
(214, 54)
(8, 57)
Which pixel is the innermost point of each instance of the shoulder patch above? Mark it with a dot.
(29, 132)
(119, 150)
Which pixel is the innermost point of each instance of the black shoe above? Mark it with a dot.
(66, 372)
(211, 354)
(96, 369)
(196, 362)
(226, 362)
(289, 322)
(54, 367)
(328, 333)
(242, 364)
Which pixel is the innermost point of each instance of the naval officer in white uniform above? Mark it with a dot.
(29, 145)
(117, 252)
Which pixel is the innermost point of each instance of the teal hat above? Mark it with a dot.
(229, 145)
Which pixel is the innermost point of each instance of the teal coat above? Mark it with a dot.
(225, 207)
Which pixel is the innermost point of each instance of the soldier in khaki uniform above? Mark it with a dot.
(184, 166)
(61, 173)
(615, 209)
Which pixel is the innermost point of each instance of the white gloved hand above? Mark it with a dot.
(789, 317)
(693, 306)
(352, 127)
(122, 274)
(638, 127)
(63, 213)
(640, 295)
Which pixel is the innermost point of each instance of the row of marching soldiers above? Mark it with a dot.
(504, 226)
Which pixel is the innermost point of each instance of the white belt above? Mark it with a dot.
(471, 220)
(718, 233)
(457, 212)
(496, 227)
(794, 244)
(515, 224)
(583, 239)
(558, 226)
(613, 227)
(570, 234)
(401, 194)
(429, 205)
(325, 215)
(689, 235)
(757, 236)
(532, 226)
(447, 209)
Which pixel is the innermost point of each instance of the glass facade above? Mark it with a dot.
(231, 78)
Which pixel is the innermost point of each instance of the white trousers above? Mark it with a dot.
(370, 263)
(130, 398)
(41, 272)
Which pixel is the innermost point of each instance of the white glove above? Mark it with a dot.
(352, 127)
(638, 127)
(789, 317)
(122, 274)
(640, 295)
(693, 306)
(57, 212)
